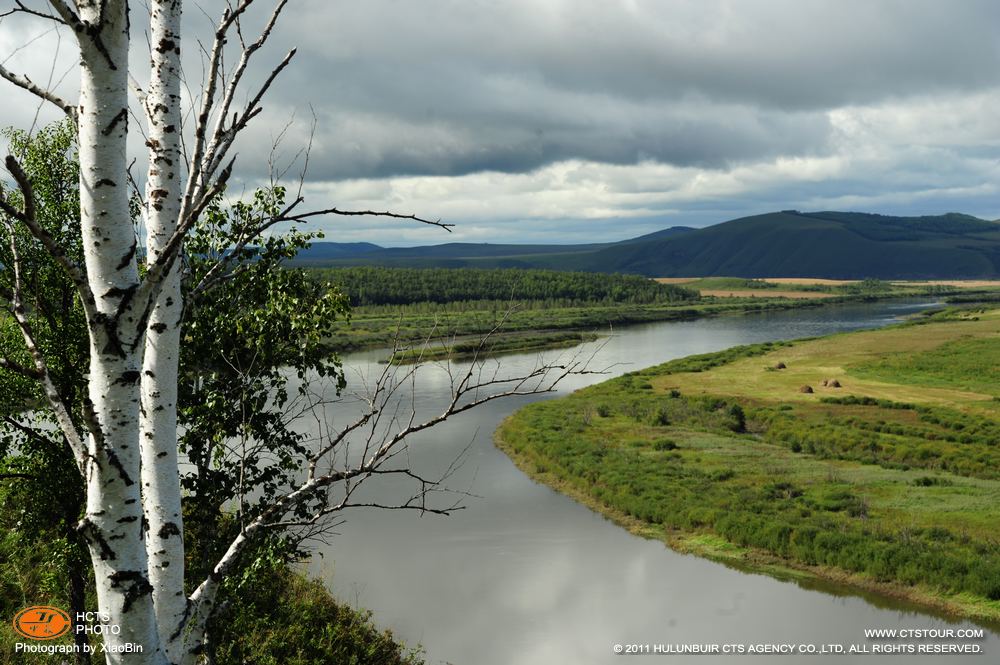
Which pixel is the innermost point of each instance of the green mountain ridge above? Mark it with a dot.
(830, 244)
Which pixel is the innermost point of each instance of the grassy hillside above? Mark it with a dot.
(884, 474)
(836, 245)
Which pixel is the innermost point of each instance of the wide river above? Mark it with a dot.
(524, 575)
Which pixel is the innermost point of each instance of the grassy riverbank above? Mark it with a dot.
(434, 309)
(469, 348)
(886, 478)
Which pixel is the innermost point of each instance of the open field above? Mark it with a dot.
(787, 288)
(807, 287)
(770, 293)
(810, 281)
(888, 479)
(957, 283)
(806, 281)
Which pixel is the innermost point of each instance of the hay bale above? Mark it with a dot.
(806, 389)
(780, 365)
(832, 383)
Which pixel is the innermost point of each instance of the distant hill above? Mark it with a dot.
(464, 254)
(838, 245)
(325, 251)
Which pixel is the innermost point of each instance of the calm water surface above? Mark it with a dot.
(524, 575)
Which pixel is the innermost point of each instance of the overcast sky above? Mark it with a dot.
(580, 120)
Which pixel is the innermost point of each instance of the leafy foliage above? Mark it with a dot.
(279, 617)
(261, 327)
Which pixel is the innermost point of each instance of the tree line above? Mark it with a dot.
(374, 285)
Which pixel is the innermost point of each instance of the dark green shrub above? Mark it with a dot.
(738, 418)
(664, 444)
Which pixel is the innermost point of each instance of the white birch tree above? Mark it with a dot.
(127, 451)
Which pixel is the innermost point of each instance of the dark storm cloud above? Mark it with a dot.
(561, 120)
(447, 88)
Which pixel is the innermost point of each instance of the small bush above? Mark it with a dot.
(665, 444)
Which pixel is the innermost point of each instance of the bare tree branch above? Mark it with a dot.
(17, 368)
(209, 152)
(21, 8)
(300, 217)
(27, 84)
(471, 389)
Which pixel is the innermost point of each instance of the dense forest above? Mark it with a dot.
(371, 285)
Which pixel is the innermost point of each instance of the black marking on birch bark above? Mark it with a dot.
(126, 258)
(184, 619)
(117, 463)
(94, 33)
(128, 502)
(92, 535)
(135, 584)
(116, 292)
(94, 425)
(122, 116)
(161, 454)
(113, 346)
(127, 519)
(167, 45)
(128, 378)
(105, 181)
(158, 327)
(150, 374)
(169, 529)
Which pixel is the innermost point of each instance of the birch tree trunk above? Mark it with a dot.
(160, 480)
(114, 517)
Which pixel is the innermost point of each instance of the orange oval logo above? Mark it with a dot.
(42, 622)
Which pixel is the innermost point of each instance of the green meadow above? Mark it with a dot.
(871, 458)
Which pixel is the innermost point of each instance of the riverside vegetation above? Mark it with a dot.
(884, 474)
(446, 310)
